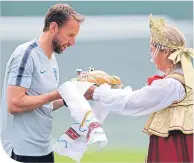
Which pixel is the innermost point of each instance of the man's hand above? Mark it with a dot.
(58, 104)
(89, 93)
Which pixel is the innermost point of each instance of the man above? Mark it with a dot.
(30, 88)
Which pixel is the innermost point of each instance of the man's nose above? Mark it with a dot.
(72, 42)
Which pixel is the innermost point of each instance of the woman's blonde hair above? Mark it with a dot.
(174, 36)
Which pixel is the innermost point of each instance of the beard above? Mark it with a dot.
(56, 46)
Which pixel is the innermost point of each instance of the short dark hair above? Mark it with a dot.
(61, 13)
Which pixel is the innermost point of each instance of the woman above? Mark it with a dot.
(169, 99)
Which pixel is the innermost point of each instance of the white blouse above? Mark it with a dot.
(149, 99)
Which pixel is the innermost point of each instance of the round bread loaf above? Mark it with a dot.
(99, 77)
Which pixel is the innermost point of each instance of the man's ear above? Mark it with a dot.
(53, 27)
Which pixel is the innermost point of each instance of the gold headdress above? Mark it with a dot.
(181, 54)
(156, 33)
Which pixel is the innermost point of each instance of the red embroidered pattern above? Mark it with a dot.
(72, 133)
(92, 126)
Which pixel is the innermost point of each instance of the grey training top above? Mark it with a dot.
(29, 133)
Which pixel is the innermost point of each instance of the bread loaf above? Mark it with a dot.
(99, 77)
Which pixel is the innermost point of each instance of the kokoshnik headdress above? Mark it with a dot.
(181, 54)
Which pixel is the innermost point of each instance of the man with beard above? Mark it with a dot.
(30, 88)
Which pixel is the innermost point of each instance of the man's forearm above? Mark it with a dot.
(28, 103)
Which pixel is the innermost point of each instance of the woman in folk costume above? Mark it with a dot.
(169, 99)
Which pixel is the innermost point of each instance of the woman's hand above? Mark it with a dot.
(89, 93)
